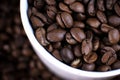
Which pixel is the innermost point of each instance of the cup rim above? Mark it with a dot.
(29, 32)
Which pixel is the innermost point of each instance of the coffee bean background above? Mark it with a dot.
(18, 61)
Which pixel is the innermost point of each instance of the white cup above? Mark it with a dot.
(62, 70)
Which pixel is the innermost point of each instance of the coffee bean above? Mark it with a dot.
(114, 20)
(101, 16)
(67, 54)
(50, 2)
(38, 4)
(52, 27)
(88, 67)
(104, 68)
(93, 22)
(100, 5)
(56, 54)
(77, 7)
(64, 7)
(40, 35)
(96, 43)
(76, 63)
(116, 47)
(77, 34)
(80, 16)
(113, 36)
(117, 9)
(77, 51)
(86, 46)
(69, 1)
(110, 4)
(79, 24)
(106, 28)
(56, 35)
(116, 65)
(90, 57)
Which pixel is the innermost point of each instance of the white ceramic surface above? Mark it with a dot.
(59, 68)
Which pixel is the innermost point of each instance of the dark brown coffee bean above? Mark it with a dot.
(51, 11)
(109, 58)
(116, 65)
(116, 47)
(117, 9)
(113, 36)
(79, 24)
(91, 8)
(80, 16)
(100, 5)
(38, 4)
(93, 22)
(64, 7)
(77, 51)
(77, 7)
(86, 46)
(89, 35)
(107, 49)
(70, 39)
(56, 45)
(69, 1)
(104, 68)
(56, 35)
(76, 63)
(40, 35)
(52, 27)
(67, 54)
(50, 2)
(96, 43)
(56, 54)
(77, 34)
(106, 28)
(101, 16)
(114, 20)
(36, 22)
(88, 67)
(110, 4)
(64, 19)
(90, 57)
(86, 1)
(49, 48)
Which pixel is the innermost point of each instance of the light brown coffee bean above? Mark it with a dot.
(114, 20)
(93, 22)
(79, 24)
(113, 36)
(104, 68)
(101, 16)
(40, 35)
(76, 63)
(77, 7)
(52, 27)
(116, 47)
(117, 9)
(56, 45)
(77, 51)
(106, 28)
(56, 54)
(77, 34)
(66, 54)
(38, 4)
(70, 39)
(50, 2)
(88, 67)
(64, 7)
(110, 4)
(89, 35)
(69, 1)
(90, 57)
(96, 43)
(100, 5)
(91, 8)
(56, 35)
(86, 46)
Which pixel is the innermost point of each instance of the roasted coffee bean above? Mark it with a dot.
(69, 1)
(106, 28)
(89, 35)
(109, 58)
(52, 27)
(77, 51)
(77, 7)
(117, 9)
(86, 1)
(116, 47)
(91, 8)
(88, 67)
(51, 11)
(86, 46)
(80, 16)
(113, 36)
(76, 63)
(110, 4)
(64, 19)
(105, 49)
(116, 65)
(56, 35)
(56, 45)
(66, 54)
(96, 43)
(90, 57)
(70, 39)
(79, 24)
(64, 7)
(77, 34)
(104, 68)
(49, 47)
(38, 4)
(101, 16)
(50, 2)
(100, 5)
(93, 22)
(56, 54)
(114, 20)
(40, 35)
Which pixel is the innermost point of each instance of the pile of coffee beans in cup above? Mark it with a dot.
(84, 34)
